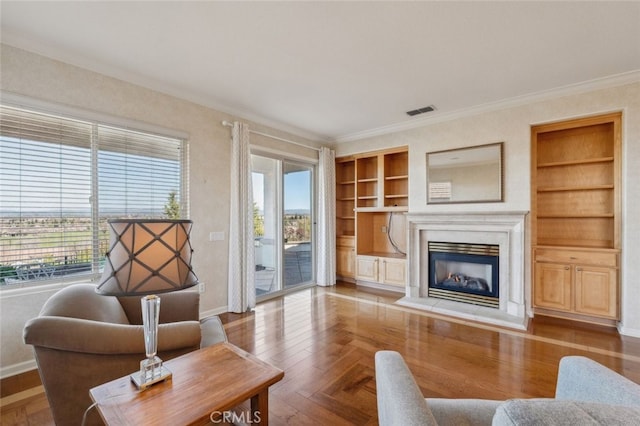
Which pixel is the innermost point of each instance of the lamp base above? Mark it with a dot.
(151, 372)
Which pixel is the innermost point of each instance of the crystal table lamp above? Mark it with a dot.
(147, 257)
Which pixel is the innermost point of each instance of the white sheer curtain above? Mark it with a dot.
(326, 261)
(242, 292)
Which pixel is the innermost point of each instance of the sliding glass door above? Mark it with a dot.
(297, 224)
(283, 224)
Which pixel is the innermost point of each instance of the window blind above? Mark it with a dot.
(61, 179)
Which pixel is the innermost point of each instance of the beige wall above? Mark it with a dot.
(512, 126)
(46, 80)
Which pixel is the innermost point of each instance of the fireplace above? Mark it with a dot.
(464, 272)
(500, 236)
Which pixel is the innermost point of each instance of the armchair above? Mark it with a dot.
(587, 393)
(82, 339)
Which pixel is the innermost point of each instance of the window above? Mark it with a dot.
(61, 179)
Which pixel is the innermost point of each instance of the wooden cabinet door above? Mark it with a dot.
(552, 286)
(367, 268)
(393, 272)
(345, 262)
(596, 291)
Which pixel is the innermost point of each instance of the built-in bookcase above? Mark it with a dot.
(372, 195)
(576, 217)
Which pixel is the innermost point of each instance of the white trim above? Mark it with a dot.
(21, 101)
(432, 118)
(278, 138)
(19, 368)
(593, 113)
(281, 155)
(284, 140)
(628, 331)
(213, 312)
(21, 290)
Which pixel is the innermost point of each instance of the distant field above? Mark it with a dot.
(49, 240)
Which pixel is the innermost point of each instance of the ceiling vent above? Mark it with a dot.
(421, 110)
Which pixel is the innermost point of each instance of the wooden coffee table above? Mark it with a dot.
(206, 384)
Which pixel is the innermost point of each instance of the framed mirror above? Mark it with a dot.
(465, 175)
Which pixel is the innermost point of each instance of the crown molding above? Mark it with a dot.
(573, 89)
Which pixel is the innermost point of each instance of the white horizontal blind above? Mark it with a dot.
(61, 180)
(137, 172)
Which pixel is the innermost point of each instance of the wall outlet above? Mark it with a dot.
(200, 288)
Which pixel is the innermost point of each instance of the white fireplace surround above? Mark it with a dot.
(504, 229)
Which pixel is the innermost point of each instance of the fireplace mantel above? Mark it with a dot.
(505, 229)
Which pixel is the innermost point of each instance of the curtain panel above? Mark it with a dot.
(242, 292)
(326, 259)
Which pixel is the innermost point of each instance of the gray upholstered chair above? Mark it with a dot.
(587, 393)
(82, 339)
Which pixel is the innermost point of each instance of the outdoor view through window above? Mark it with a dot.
(61, 180)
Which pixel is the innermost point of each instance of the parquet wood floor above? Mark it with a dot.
(325, 340)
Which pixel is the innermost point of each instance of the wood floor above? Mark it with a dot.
(325, 341)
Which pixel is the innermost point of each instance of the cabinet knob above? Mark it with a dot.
(566, 267)
(578, 269)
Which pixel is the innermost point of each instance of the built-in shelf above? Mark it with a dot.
(399, 209)
(576, 162)
(576, 188)
(574, 216)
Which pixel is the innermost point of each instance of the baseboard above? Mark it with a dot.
(212, 312)
(14, 369)
(346, 279)
(379, 286)
(628, 331)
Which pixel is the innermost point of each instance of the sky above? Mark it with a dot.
(297, 190)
